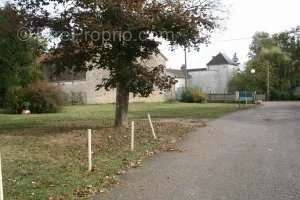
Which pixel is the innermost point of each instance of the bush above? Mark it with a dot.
(39, 97)
(43, 98)
(187, 96)
(193, 95)
(277, 95)
(14, 99)
(295, 98)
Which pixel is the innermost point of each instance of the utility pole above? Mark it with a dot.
(268, 83)
(185, 69)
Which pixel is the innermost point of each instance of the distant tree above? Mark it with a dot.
(260, 40)
(236, 59)
(118, 35)
(18, 59)
(289, 42)
(280, 54)
(240, 82)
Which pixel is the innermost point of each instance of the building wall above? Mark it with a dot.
(225, 74)
(180, 83)
(214, 80)
(87, 89)
(206, 80)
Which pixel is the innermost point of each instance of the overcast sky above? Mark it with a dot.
(245, 18)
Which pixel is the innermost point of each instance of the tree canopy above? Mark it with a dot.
(118, 35)
(280, 53)
(18, 59)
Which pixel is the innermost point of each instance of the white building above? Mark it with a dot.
(80, 88)
(179, 76)
(212, 79)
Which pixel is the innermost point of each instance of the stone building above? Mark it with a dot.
(212, 79)
(179, 75)
(80, 88)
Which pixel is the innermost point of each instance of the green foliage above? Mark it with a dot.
(39, 97)
(277, 53)
(241, 82)
(18, 59)
(281, 95)
(121, 55)
(187, 96)
(295, 97)
(260, 40)
(193, 95)
(43, 97)
(14, 100)
(130, 33)
(101, 116)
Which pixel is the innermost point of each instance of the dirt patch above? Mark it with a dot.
(195, 123)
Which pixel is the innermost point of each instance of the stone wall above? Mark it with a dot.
(206, 80)
(214, 80)
(86, 90)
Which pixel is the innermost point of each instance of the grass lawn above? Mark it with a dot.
(44, 156)
(102, 115)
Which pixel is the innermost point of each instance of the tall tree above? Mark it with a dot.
(118, 35)
(279, 54)
(289, 42)
(18, 59)
(259, 41)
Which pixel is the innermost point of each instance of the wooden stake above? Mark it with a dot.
(132, 136)
(152, 128)
(90, 149)
(1, 181)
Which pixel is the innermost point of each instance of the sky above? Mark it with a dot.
(244, 19)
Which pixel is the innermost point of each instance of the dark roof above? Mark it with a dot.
(221, 59)
(197, 70)
(176, 72)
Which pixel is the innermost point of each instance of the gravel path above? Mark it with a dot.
(248, 155)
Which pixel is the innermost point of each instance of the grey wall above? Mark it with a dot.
(214, 80)
(86, 88)
(206, 80)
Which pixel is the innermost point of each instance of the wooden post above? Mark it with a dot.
(268, 83)
(90, 149)
(1, 181)
(132, 136)
(152, 128)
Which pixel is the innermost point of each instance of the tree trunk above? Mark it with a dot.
(122, 101)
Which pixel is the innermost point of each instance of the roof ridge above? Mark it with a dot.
(220, 59)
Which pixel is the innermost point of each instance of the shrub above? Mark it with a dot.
(43, 97)
(187, 96)
(277, 95)
(193, 95)
(39, 97)
(295, 97)
(14, 99)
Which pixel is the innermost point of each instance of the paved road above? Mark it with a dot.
(248, 155)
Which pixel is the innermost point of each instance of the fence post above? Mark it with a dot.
(152, 128)
(132, 136)
(1, 181)
(90, 149)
